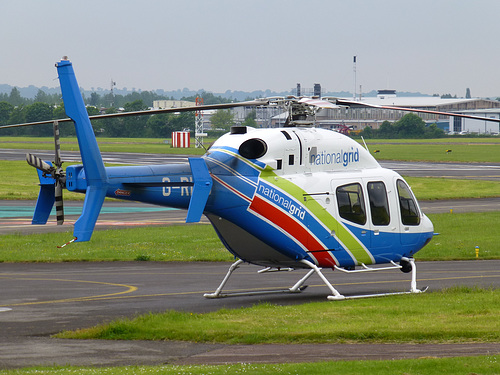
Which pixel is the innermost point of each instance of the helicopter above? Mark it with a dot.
(290, 198)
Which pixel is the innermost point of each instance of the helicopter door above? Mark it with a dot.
(409, 214)
(353, 214)
(380, 216)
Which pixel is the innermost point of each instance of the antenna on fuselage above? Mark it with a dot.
(366, 147)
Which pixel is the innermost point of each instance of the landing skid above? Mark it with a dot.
(218, 293)
(299, 285)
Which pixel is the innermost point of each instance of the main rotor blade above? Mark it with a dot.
(251, 103)
(354, 104)
(38, 163)
(320, 103)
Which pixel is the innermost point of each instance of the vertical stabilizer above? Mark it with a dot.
(95, 173)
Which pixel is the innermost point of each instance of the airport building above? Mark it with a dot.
(458, 125)
(359, 118)
(166, 104)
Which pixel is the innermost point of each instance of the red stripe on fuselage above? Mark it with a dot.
(293, 229)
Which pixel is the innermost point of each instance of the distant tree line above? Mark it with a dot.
(409, 126)
(15, 109)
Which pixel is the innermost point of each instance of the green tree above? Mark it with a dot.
(159, 126)
(222, 119)
(15, 97)
(95, 99)
(5, 111)
(111, 127)
(410, 126)
(183, 121)
(250, 119)
(208, 98)
(432, 131)
(40, 112)
(41, 97)
(92, 111)
(134, 126)
(385, 130)
(367, 132)
(162, 125)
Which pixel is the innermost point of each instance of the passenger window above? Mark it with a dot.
(351, 203)
(379, 206)
(409, 210)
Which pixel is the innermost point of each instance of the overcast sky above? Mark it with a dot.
(430, 46)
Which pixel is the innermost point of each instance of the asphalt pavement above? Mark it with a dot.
(40, 299)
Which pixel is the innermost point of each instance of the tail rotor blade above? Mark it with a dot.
(57, 144)
(60, 176)
(38, 163)
(59, 203)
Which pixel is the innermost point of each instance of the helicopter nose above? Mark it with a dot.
(426, 224)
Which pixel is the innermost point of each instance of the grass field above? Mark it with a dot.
(459, 236)
(485, 365)
(171, 243)
(454, 315)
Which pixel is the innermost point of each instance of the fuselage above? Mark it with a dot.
(283, 195)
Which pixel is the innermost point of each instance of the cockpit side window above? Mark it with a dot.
(351, 203)
(379, 206)
(407, 204)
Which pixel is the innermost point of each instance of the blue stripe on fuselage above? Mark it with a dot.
(389, 245)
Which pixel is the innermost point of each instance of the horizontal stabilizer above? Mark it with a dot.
(46, 199)
(201, 189)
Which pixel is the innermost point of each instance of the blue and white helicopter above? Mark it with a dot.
(296, 197)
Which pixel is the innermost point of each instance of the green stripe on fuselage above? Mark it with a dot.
(356, 248)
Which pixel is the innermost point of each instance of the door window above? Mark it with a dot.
(379, 206)
(351, 203)
(407, 204)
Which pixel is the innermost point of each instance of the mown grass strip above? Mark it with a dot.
(445, 140)
(462, 149)
(139, 145)
(170, 243)
(486, 365)
(19, 181)
(459, 314)
(457, 152)
(428, 188)
(459, 236)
